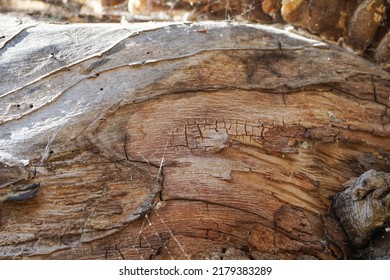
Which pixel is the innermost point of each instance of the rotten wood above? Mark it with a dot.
(156, 141)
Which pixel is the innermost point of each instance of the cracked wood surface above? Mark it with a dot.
(159, 141)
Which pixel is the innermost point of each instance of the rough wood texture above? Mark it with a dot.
(361, 24)
(364, 207)
(209, 140)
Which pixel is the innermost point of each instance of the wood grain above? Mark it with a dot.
(155, 141)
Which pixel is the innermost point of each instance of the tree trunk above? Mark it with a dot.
(181, 141)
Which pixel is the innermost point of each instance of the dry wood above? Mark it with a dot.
(209, 140)
(359, 24)
(364, 207)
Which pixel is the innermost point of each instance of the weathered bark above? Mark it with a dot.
(364, 207)
(209, 140)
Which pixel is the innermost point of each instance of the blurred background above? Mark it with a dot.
(142, 10)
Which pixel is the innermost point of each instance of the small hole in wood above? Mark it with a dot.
(51, 152)
(18, 105)
(97, 74)
(31, 105)
(147, 52)
(101, 88)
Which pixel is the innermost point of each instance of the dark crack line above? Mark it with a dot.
(119, 251)
(348, 93)
(125, 147)
(374, 88)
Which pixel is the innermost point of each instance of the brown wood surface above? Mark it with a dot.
(364, 207)
(182, 141)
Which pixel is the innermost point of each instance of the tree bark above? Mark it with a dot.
(211, 140)
(363, 209)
